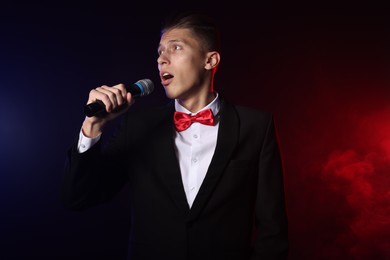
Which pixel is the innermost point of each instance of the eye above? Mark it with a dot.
(170, 49)
(176, 47)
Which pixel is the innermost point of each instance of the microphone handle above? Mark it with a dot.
(96, 108)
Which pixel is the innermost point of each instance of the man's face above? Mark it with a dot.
(181, 63)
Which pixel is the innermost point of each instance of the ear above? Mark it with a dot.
(212, 61)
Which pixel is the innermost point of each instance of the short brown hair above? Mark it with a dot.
(202, 25)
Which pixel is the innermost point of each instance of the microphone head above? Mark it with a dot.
(147, 86)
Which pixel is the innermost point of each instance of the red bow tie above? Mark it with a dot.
(183, 121)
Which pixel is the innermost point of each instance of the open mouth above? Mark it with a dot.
(166, 78)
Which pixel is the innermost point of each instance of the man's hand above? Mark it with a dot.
(116, 101)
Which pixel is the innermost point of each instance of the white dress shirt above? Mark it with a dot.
(194, 148)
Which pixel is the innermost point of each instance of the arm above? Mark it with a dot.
(271, 218)
(90, 175)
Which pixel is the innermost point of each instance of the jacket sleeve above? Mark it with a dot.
(95, 176)
(271, 240)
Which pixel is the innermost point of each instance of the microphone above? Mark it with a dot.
(140, 88)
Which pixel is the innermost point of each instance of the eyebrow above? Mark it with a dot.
(170, 42)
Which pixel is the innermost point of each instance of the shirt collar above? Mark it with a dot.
(213, 105)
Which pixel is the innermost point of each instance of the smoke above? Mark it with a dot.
(360, 176)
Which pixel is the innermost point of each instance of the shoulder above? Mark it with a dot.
(150, 113)
(250, 111)
(146, 118)
(248, 114)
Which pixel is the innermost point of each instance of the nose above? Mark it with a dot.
(162, 59)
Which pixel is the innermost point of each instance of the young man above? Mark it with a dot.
(205, 190)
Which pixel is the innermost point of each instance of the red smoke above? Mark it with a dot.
(360, 175)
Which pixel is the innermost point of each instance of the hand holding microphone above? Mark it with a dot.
(113, 97)
(106, 103)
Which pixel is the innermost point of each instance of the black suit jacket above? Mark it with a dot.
(239, 212)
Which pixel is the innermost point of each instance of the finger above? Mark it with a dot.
(120, 93)
(129, 98)
(122, 88)
(95, 94)
(111, 97)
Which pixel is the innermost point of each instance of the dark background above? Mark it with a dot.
(321, 68)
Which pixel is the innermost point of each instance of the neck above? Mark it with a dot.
(197, 103)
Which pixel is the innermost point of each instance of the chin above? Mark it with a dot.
(170, 95)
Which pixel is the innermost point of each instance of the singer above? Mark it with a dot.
(205, 176)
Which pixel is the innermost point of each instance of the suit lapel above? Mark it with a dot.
(167, 165)
(227, 140)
